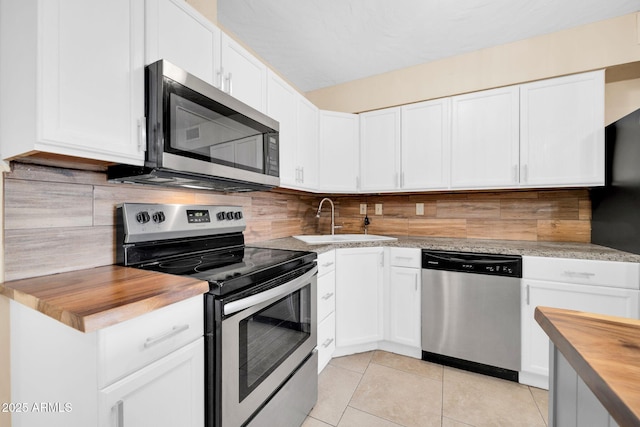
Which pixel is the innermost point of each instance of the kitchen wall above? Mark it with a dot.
(208, 8)
(545, 215)
(60, 219)
(603, 44)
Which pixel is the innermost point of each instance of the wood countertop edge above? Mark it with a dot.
(91, 321)
(616, 405)
(117, 315)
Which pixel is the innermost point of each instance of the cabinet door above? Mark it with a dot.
(426, 139)
(562, 131)
(326, 340)
(244, 76)
(595, 299)
(91, 79)
(380, 150)
(326, 295)
(404, 306)
(169, 392)
(338, 152)
(178, 33)
(281, 106)
(359, 277)
(307, 142)
(484, 139)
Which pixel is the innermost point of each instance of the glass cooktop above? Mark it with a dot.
(231, 269)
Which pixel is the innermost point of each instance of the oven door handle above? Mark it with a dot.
(282, 290)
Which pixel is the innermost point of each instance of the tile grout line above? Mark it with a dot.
(538, 407)
(354, 390)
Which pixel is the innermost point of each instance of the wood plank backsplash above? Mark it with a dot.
(58, 219)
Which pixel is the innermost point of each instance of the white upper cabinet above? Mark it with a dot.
(562, 131)
(243, 75)
(307, 143)
(281, 106)
(338, 152)
(484, 140)
(298, 119)
(181, 35)
(380, 150)
(426, 138)
(72, 79)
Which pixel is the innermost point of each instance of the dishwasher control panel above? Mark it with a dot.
(479, 263)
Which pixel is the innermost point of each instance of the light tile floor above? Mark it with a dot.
(380, 389)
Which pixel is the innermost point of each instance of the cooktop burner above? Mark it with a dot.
(201, 241)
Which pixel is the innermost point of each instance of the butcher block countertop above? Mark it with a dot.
(605, 353)
(95, 298)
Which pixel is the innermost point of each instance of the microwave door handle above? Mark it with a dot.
(282, 290)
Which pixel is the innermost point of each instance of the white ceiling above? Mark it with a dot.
(320, 43)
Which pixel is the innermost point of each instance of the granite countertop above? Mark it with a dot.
(95, 298)
(508, 247)
(603, 350)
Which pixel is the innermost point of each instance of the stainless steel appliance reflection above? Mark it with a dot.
(260, 311)
(471, 311)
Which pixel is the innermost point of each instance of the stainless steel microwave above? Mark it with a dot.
(200, 137)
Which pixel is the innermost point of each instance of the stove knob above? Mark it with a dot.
(237, 215)
(220, 216)
(158, 217)
(143, 217)
(229, 215)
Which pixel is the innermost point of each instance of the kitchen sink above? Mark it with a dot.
(323, 239)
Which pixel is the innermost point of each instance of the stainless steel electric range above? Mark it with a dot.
(260, 311)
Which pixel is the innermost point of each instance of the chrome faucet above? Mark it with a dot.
(333, 223)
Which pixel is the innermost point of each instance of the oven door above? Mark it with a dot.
(265, 338)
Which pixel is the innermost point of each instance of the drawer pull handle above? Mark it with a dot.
(327, 264)
(150, 342)
(119, 413)
(404, 257)
(327, 296)
(578, 274)
(327, 343)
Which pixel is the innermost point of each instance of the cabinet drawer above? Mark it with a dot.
(326, 295)
(326, 262)
(580, 271)
(326, 340)
(405, 257)
(131, 345)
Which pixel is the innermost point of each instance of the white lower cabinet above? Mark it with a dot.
(169, 392)
(326, 340)
(326, 308)
(145, 371)
(546, 282)
(378, 307)
(359, 278)
(402, 303)
(404, 306)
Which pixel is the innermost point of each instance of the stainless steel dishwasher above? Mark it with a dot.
(471, 311)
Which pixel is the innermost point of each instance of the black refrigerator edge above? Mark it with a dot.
(615, 219)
